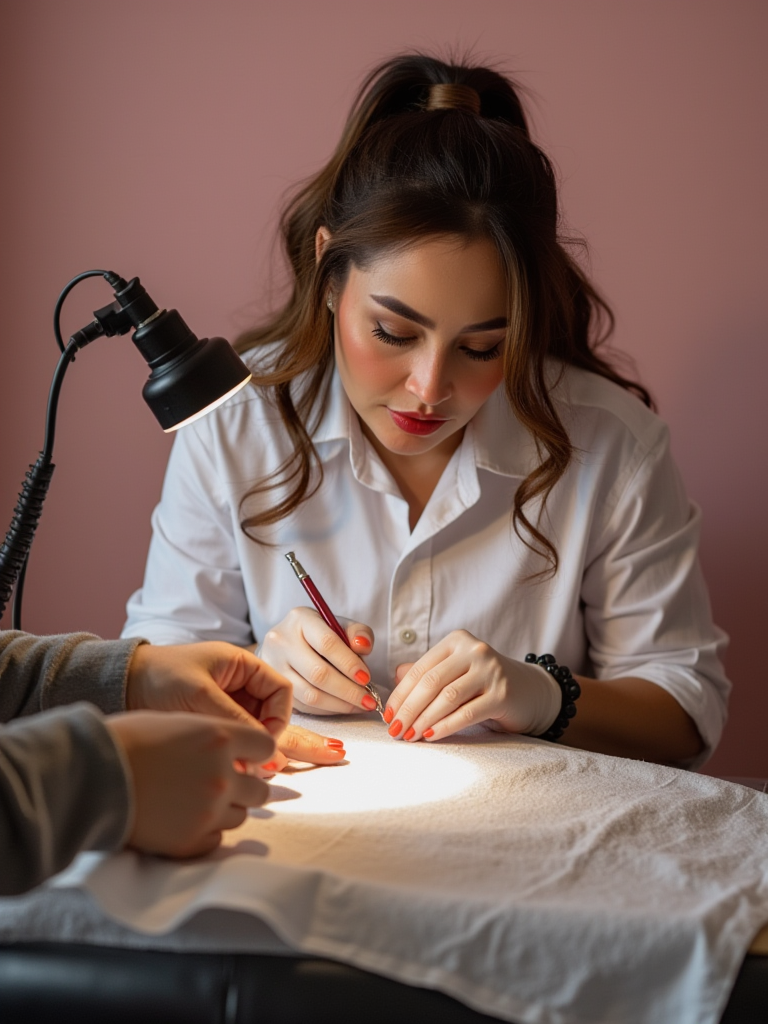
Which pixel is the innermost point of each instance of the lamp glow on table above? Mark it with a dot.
(188, 378)
(418, 775)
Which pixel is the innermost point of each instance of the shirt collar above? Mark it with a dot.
(495, 440)
(502, 445)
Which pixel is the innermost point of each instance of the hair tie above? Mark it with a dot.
(450, 96)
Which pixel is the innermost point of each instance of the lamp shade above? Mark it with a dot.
(188, 376)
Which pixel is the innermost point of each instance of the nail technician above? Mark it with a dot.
(438, 435)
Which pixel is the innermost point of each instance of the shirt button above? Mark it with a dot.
(407, 636)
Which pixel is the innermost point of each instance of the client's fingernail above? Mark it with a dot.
(338, 752)
(334, 743)
(363, 677)
(389, 714)
(394, 729)
(369, 703)
(409, 733)
(362, 640)
(428, 734)
(270, 766)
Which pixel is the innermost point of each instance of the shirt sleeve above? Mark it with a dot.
(193, 584)
(64, 787)
(44, 672)
(646, 607)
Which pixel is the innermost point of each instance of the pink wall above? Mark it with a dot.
(156, 137)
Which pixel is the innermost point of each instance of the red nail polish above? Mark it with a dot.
(334, 743)
(270, 766)
(363, 641)
(409, 733)
(339, 752)
(428, 734)
(369, 703)
(389, 714)
(394, 729)
(363, 677)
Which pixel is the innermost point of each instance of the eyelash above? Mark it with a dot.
(482, 356)
(390, 339)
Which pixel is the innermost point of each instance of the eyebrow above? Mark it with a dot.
(400, 309)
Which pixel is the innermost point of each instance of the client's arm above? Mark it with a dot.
(64, 787)
(37, 673)
(166, 783)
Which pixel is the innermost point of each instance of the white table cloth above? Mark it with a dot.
(532, 881)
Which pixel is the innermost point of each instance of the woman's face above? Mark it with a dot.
(418, 339)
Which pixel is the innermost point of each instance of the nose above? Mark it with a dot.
(429, 379)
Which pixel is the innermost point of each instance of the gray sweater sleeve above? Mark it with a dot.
(64, 784)
(63, 788)
(40, 672)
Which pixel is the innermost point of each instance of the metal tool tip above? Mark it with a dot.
(296, 565)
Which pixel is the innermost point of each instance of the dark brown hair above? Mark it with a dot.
(411, 164)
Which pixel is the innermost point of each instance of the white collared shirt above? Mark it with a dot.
(628, 598)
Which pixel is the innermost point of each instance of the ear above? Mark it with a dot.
(322, 238)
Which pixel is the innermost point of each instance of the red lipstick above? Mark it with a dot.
(411, 424)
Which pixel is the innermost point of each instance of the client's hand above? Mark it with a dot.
(328, 678)
(462, 681)
(209, 678)
(228, 682)
(187, 782)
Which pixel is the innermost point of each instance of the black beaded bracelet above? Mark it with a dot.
(569, 688)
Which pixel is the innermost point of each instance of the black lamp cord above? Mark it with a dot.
(14, 553)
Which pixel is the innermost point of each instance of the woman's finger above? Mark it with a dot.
(401, 670)
(360, 636)
(318, 663)
(309, 700)
(438, 693)
(318, 687)
(421, 673)
(414, 675)
(471, 713)
(333, 650)
(302, 744)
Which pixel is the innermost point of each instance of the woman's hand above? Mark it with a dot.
(327, 677)
(461, 681)
(189, 778)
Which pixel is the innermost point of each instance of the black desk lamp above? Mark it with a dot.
(188, 377)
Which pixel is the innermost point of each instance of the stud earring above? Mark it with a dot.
(329, 302)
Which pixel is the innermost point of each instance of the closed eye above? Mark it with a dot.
(476, 354)
(483, 354)
(390, 339)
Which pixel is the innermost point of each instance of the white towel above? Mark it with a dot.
(532, 881)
